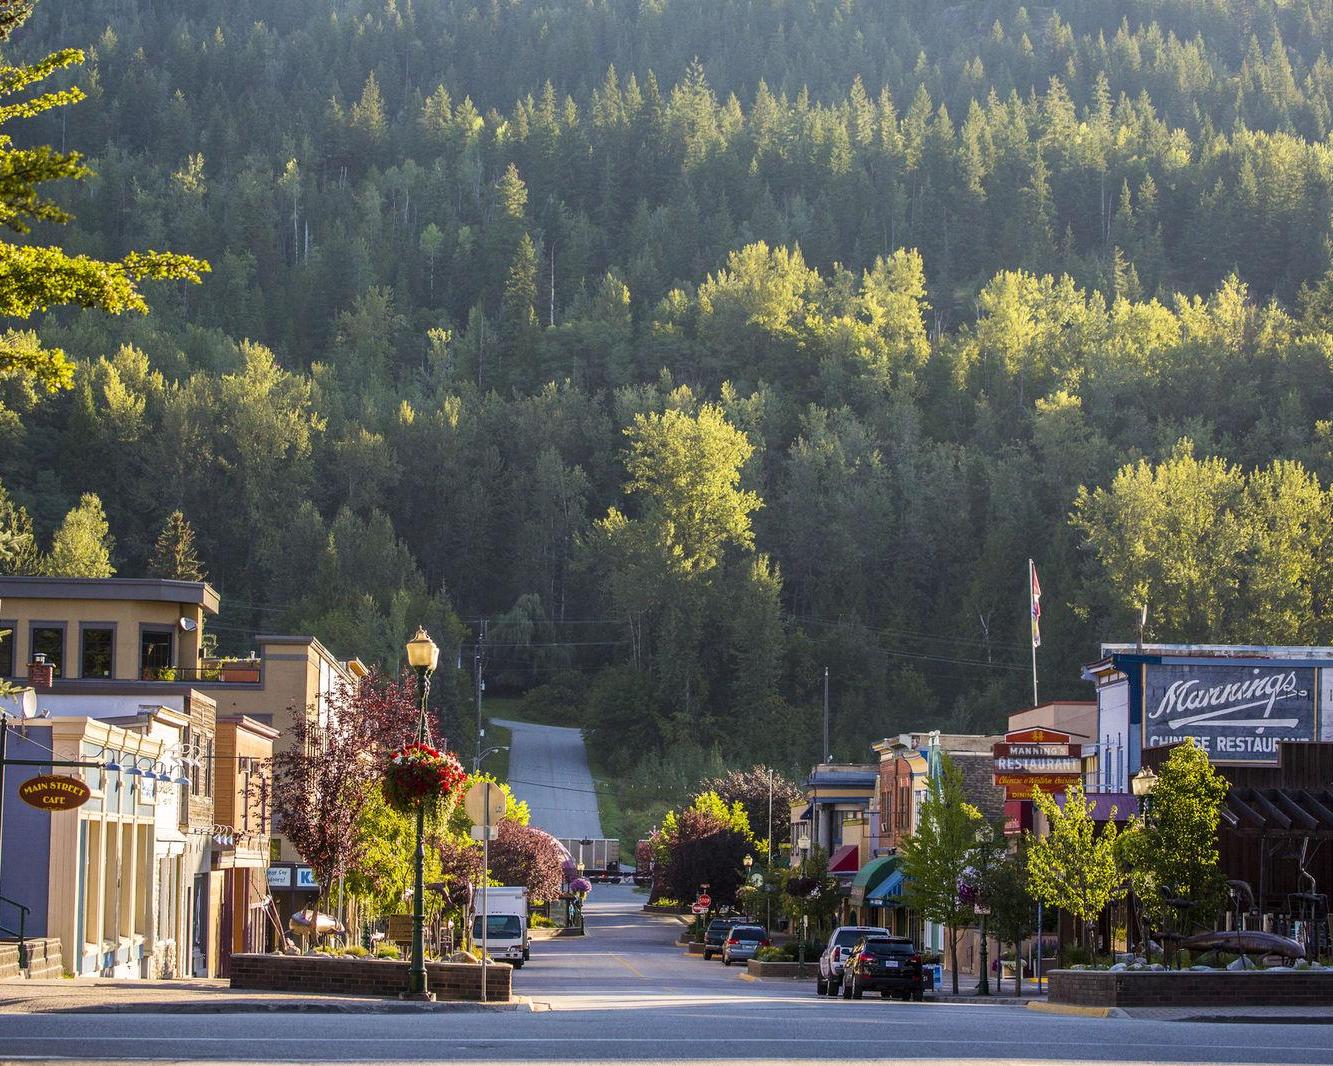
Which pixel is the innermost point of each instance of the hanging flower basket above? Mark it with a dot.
(419, 774)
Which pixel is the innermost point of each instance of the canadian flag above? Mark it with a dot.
(1035, 588)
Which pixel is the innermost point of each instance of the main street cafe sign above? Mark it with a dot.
(54, 792)
(1236, 713)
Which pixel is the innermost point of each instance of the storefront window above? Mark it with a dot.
(50, 642)
(97, 652)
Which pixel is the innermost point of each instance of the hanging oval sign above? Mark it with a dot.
(55, 792)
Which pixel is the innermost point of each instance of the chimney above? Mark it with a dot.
(40, 673)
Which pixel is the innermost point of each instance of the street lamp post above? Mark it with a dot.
(1142, 785)
(422, 655)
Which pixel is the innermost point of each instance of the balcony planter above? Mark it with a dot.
(241, 672)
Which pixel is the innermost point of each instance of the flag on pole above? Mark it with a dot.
(1035, 589)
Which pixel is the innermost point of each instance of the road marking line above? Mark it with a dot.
(629, 966)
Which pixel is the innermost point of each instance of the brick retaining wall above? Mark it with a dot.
(1188, 988)
(325, 974)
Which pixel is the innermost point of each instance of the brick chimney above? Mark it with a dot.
(41, 674)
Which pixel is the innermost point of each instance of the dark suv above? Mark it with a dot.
(888, 965)
(716, 934)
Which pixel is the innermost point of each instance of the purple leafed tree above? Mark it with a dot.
(331, 763)
(521, 855)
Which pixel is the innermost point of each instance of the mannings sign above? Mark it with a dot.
(1236, 713)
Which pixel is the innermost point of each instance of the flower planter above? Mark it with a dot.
(240, 673)
(419, 775)
(786, 970)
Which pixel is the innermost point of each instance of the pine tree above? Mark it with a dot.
(18, 546)
(82, 545)
(35, 277)
(175, 557)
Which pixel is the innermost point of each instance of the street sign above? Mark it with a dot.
(699, 908)
(54, 792)
(484, 803)
(484, 832)
(705, 901)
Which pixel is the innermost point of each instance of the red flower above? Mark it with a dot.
(417, 774)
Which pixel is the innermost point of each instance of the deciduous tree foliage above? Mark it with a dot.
(521, 855)
(935, 274)
(1172, 855)
(1074, 866)
(937, 855)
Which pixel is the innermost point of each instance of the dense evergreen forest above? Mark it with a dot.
(699, 344)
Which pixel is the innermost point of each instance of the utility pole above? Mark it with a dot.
(481, 685)
(828, 756)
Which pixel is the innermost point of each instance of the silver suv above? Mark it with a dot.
(834, 956)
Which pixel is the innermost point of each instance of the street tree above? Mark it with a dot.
(18, 545)
(750, 788)
(521, 855)
(706, 843)
(936, 857)
(1013, 913)
(1173, 854)
(325, 778)
(1074, 866)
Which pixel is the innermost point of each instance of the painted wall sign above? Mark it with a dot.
(1237, 713)
(55, 792)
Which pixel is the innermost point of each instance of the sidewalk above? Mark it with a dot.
(200, 996)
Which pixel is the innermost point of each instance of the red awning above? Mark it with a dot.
(846, 860)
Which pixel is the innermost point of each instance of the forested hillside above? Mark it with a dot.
(699, 344)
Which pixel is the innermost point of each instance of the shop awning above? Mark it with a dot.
(1298, 811)
(846, 860)
(889, 892)
(870, 875)
(804, 816)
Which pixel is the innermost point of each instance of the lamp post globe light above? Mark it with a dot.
(422, 655)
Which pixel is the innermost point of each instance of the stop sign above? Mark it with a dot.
(705, 901)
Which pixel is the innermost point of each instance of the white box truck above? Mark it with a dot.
(506, 927)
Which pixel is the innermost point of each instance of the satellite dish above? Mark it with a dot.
(189, 625)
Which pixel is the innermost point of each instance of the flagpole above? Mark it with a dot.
(1032, 630)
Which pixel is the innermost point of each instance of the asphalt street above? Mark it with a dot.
(626, 994)
(548, 769)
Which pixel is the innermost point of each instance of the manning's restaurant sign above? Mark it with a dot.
(1238, 713)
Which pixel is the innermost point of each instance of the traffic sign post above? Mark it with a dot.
(485, 805)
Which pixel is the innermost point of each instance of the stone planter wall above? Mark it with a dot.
(780, 969)
(1189, 988)
(319, 974)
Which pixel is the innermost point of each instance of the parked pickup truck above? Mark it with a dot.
(506, 926)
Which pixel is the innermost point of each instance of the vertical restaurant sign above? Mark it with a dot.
(1236, 713)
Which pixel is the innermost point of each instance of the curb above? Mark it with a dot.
(264, 1007)
(1072, 1010)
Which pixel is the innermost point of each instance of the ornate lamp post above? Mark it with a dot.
(1142, 785)
(422, 655)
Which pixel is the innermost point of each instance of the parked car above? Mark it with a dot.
(889, 965)
(840, 944)
(716, 934)
(743, 942)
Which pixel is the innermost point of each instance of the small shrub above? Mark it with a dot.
(540, 921)
(771, 955)
(387, 951)
(356, 951)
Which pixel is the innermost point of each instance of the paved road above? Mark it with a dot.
(548, 768)
(626, 995)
